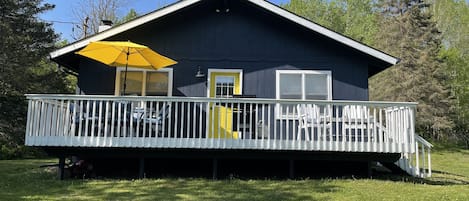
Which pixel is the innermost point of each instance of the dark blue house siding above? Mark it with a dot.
(95, 78)
(247, 38)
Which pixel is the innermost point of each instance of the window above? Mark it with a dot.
(302, 85)
(224, 83)
(224, 86)
(142, 82)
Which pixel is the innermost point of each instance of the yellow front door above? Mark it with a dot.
(223, 85)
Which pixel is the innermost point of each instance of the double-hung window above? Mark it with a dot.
(302, 85)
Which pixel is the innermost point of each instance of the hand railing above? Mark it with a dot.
(220, 123)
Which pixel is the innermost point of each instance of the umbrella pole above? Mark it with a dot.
(125, 78)
(125, 74)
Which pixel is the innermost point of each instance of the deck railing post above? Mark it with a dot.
(429, 174)
(141, 168)
(214, 168)
(291, 172)
(61, 167)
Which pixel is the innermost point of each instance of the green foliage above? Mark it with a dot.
(407, 29)
(408, 32)
(452, 18)
(361, 21)
(25, 43)
(356, 19)
(458, 71)
(12, 126)
(323, 12)
(132, 14)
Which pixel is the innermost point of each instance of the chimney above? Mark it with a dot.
(106, 24)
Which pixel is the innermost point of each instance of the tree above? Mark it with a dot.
(25, 41)
(132, 14)
(91, 12)
(409, 33)
(457, 68)
(361, 20)
(326, 13)
(356, 19)
(452, 18)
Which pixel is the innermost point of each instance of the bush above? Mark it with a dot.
(13, 111)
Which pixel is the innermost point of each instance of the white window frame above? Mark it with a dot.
(120, 70)
(303, 95)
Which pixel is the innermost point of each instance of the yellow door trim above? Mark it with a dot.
(220, 118)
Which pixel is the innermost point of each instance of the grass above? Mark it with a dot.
(24, 180)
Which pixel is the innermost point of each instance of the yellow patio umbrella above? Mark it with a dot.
(120, 53)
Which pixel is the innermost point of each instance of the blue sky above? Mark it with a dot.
(62, 13)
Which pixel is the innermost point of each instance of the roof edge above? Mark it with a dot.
(326, 32)
(261, 3)
(123, 27)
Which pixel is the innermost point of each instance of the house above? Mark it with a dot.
(252, 80)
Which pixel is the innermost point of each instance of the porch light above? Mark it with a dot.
(199, 73)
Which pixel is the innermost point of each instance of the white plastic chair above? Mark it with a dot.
(356, 120)
(309, 118)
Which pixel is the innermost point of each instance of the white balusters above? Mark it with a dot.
(220, 123)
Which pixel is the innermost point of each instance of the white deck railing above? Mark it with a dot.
(418, 163)
(211, 123)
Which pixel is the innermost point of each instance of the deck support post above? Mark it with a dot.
(370, 169)
(141, 168)
(214, 168)
(291, 169)
(61, 167)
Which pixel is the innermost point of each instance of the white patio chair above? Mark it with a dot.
(356, 120)
(310, 118)
(157, 119)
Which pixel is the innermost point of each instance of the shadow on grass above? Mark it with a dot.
(24, 180)
(183, 189)
(439, 178)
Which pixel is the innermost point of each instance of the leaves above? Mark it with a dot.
(356, 19)
(409, 32)
(25, 40)
(24, 68)
(405, 29)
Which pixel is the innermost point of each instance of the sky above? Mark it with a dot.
(62, 16)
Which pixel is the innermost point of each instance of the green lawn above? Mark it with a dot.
(24, 180)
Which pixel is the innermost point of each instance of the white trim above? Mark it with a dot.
(326, 32)
(303, 72)
(216, 70)
(144, 71)
(261, 3)
(123, 27)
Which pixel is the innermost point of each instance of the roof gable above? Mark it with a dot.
(260, 3)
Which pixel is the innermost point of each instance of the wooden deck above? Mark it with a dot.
(234, 124)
